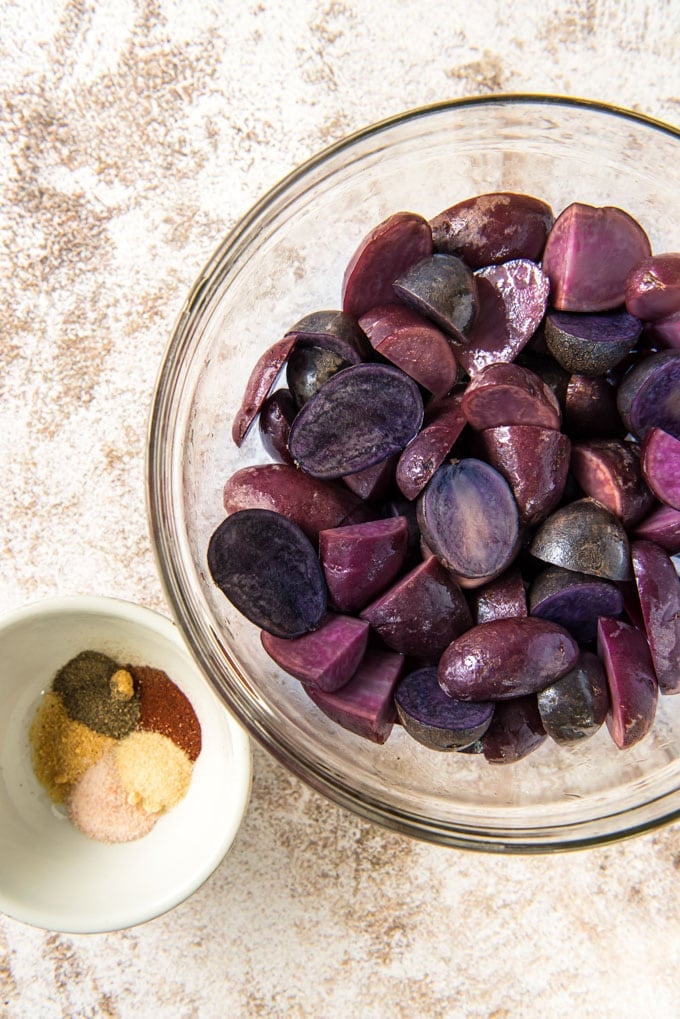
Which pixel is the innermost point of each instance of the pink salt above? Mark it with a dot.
(99, 805)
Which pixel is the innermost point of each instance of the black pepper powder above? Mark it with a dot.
(90, 697)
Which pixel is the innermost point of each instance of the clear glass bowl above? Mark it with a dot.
(285, 259)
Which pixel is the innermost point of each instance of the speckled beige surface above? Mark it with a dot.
(132, 135)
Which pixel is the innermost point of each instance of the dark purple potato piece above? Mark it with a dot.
(576, 706)
(444, 422)
(262, 378)
(585, 537)
(662, 526)
(359, 562)
(665, 332)
(516, 730)
(492, 228)
(276, 417)
(362, 416)
(365, 705)
(433, 718)
(420, 614)
(327, 657)
(503, 598)
(313, 505)
(469, 519)
(588, 255)
(308, 368)
(384, 254)
(659, 591)
(548, 370)
(633, 688)
(649, 396)
(512, 301)
(507, 394)
(534, 461)
(590, 408)
(631, 604)
(334, 331)
(399, 506)
(574, 600)
(653, 287)
(264, 564)
(506, 658)
(411, 342)
(608, 470)
(375, 483)
(442, 288)
(660, 463)
(591, 344)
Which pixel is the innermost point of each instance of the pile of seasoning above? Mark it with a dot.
(115, 744)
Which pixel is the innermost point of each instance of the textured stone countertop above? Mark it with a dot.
(133, 134)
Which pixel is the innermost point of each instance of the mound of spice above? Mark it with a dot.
(116, 745)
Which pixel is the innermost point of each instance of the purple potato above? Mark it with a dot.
(308, 368)
(276, 417)
(590, 408)
(420, 614)
(503, 598)
(653, 287)
(507, 394)
(442, 288)
(585, 537)
(649, 395)
(334, 331)
(383, 255)
(633, 688)
(608, 470)
(588, 255)
(576, 706)
(268, 569)
(506, 658)
(591, 344)
(492, 228)
(444, 422)
(661, 526)
(365, 705)
(374, 483)
(544, 365)
(360, 417)
(433, 718)
(574, 600)
(327, 657)
(660, 464)
(468, 517)
(360, 561)
(665, 332)
(411, 342)
(262, 378)
(658, 588)
(534, 461)
(516, 730)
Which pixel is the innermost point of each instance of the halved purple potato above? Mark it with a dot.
(327, 657)
(420, 614)
(444, 423)
(659, 591)
(414, 344)
(574, 600)
(660, 464)
(576, 706)
(468, 517)
(590, 408)
(360, 561)
(374, 483)
(507, 394)
(649, 395)
(591, 344)
(516, 730)
(276, 416)
(588, 255)
(442, 288)
(308, 368)
(365, 705)
(492, 228)
(269, 570)
(585, 537)
(359, 418)
(662, 526)
(653, 287)
(262, 378)
(506, 658)
(608, 470)
(335, 331)
(433, 718)
(534, 461)
(383, 255)
(313, 505)
(633, 688)
(503, 598)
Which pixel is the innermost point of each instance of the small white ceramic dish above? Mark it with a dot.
(51, 875)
